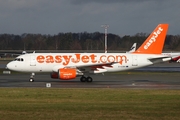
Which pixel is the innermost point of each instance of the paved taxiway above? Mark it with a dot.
(140, 80)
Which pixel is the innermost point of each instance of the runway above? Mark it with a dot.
(133, 80)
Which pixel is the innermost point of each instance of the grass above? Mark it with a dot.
(88, 104)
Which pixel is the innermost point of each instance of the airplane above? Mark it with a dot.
(67, 66)
(133, 48)
(175, 59)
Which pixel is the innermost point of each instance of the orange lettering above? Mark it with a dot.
(58, 59)
(120, 59)
(85, 59)
(40, 59)
(67, 59)
(77, 58)
(93, 58)
(111, 58)
(49, 59)
(103, 60)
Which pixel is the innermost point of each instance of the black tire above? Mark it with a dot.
(83, 79)
(89, 79)
(31, 80)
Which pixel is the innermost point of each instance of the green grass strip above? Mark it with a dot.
(88, 104)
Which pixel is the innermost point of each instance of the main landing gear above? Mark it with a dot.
(82, 79)
(86, 79)
(31, 79)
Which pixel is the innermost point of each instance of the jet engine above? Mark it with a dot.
(64, 74)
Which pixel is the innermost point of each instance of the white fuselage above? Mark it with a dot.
(51, 62)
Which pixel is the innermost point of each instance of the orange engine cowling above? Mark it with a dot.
(64, 74)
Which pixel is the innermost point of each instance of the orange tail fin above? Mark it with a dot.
(155, 42)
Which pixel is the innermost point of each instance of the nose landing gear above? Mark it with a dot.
(31, 79)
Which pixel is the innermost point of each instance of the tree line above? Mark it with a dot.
(79, 41)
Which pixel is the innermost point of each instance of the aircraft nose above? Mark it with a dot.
(9, 66)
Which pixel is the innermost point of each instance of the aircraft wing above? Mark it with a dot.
(162, 58)
(95, 68)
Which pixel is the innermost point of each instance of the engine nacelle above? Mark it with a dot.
(64, 74)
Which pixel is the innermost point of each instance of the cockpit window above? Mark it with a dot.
(18, 59)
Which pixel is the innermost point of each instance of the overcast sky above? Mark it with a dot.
(124, 17)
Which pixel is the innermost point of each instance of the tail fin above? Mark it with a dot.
(133, 48)
(155, 42)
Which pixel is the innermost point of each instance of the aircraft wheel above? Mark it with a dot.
(83, 79)
(89, 79)
(31, 80)
(32, 77)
